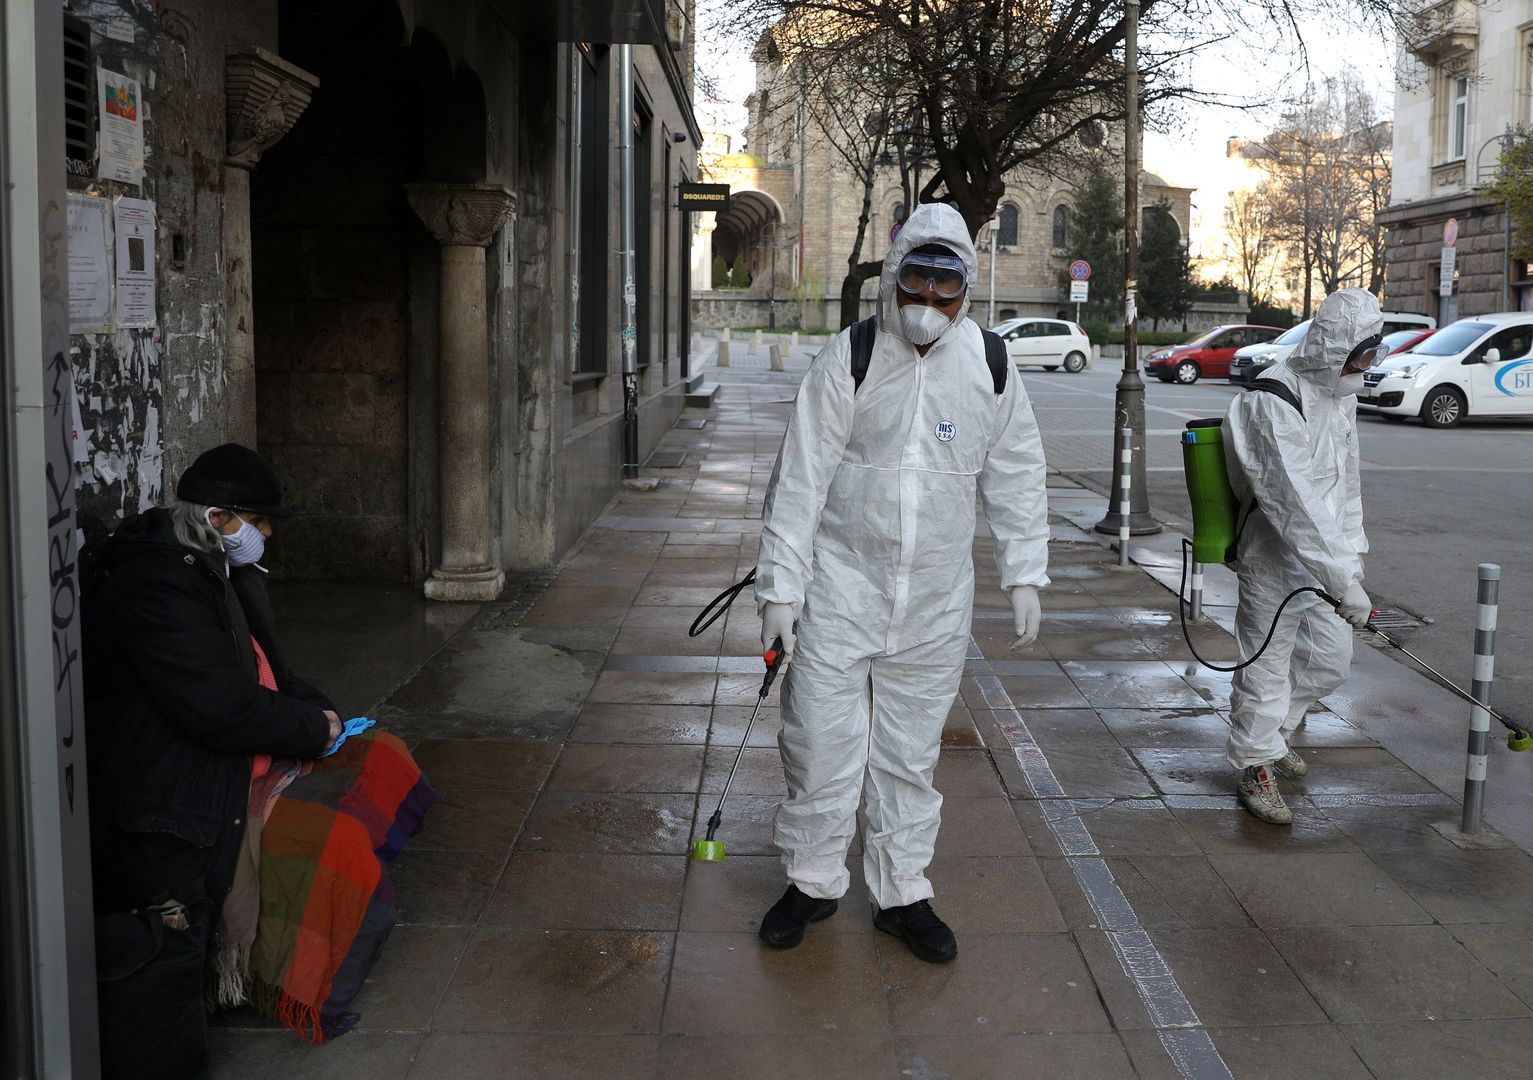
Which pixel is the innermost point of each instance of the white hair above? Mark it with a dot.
(192, 528)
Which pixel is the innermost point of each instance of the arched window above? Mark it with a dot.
(1061, 227)
(1006, 234)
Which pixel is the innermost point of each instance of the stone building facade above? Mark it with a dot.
(1462, 87)
(384, 253)
(793, 195)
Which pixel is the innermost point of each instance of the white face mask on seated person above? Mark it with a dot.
(245, 545)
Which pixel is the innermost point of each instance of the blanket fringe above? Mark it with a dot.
(275, 1003)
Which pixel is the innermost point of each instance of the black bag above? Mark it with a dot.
(149, 993)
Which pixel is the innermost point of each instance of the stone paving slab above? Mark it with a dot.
(1118, 915)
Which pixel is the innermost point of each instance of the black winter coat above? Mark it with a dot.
(173, 709)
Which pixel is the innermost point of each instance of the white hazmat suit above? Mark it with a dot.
(1306, 528)
(867, 531)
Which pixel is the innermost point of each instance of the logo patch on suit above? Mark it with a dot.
(945, 430)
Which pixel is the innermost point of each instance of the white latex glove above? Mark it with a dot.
(1025, 609)
(777, 622)
(1355, 606)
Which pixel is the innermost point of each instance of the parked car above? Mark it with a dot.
(1478, 366)
(1207, 355)
(1048, 343)
(1254, 359)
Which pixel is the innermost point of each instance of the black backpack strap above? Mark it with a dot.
(1277, 389)
(995, 356)
(863, 334)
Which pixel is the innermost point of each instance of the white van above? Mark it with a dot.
(1255, 359)
(1479, 366)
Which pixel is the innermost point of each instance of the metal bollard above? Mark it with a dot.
(723, 360)
(1197, 591)
(1125, 498)
(776, 354)
(1479, 719)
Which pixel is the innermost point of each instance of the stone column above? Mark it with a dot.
(464, 218)
(263, 97)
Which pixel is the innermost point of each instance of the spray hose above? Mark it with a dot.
(1519, 739)
(708, 616)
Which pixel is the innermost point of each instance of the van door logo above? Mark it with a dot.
(945, 431)
(1515, 379)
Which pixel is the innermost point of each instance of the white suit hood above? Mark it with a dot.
(932, 223)
(1344, 319)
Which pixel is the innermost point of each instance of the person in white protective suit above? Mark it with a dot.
(866, 573)
(1301, 524)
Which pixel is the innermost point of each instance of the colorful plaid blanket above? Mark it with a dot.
(327, 904)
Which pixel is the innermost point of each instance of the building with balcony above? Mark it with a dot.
(1464, 83)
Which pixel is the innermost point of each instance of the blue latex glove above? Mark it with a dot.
(355, 726)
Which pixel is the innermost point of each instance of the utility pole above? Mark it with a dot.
(994, 228)
(1129, 400)
(630, 331)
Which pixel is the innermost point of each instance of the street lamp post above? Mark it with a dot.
(1129, 399)
(772, 285)
(994, 228)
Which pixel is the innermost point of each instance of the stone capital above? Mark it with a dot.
(263, 97)
(468, 214)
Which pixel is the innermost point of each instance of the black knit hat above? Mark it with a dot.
(233, 477)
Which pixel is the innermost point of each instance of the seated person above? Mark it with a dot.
(196, 728)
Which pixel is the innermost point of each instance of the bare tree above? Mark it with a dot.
(1002, 83)
(1249, 225)
(1328, 169)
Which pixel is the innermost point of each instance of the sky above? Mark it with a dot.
(1253, 72)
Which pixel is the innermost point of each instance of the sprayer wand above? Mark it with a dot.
(1520, 739)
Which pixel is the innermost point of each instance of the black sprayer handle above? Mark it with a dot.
(773, 658)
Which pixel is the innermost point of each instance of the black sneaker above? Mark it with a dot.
(784, 923)
(928, 936)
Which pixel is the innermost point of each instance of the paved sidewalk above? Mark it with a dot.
(1117, 914)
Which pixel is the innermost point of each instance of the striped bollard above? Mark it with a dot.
(1197, 591)
(1479, 719)
(1125, 483)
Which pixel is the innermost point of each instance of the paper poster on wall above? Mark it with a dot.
(133, 220)
(90, 266)
(122, 128)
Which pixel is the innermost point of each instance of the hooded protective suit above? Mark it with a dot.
(867, 531)
(1306, 528)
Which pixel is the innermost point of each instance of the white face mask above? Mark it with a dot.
(922, 325)
(245, 545)
(1349, 384)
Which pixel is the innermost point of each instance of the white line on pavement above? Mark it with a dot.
(1182, 1034)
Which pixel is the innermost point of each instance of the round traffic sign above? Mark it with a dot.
(1450, 232)
(894, 230)
(1080, 270)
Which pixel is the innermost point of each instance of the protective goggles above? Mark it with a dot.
(1367, 354)
(944, 275)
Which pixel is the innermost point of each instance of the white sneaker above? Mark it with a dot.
(1292, 765)
(1259, 794)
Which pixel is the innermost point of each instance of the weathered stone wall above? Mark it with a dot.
(1413, 247)
(331, 278)
(151, 400)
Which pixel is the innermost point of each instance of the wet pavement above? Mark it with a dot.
(1117, 914)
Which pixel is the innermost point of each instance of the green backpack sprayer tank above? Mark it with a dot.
(1214, 508)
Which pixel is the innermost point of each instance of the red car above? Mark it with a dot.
(1209, 354)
